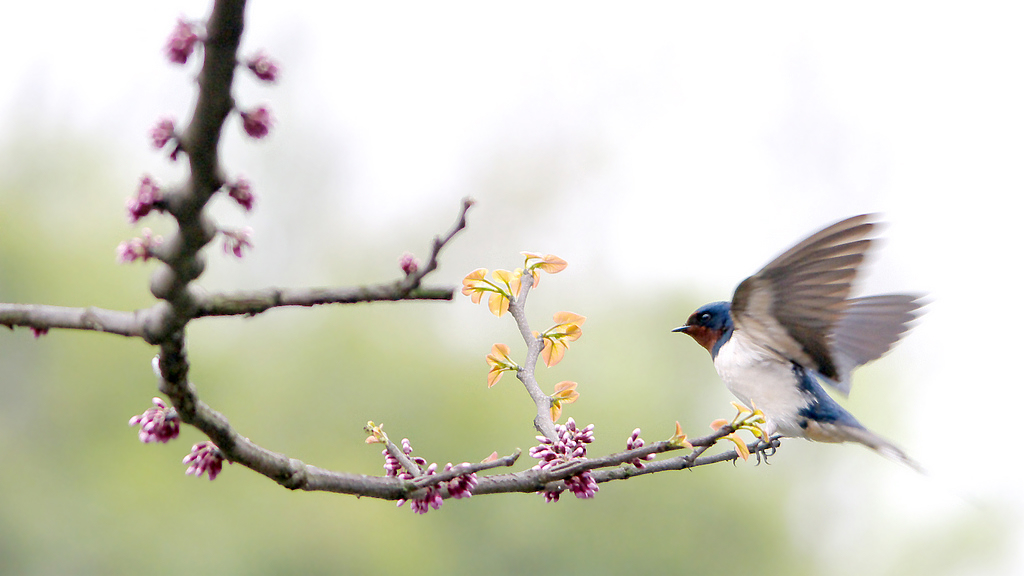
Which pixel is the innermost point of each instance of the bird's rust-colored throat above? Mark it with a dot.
(704, 336)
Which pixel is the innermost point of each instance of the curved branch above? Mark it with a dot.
(164, 322)
(412, 281)
(527, 373)
(252, 302)
(296, 475)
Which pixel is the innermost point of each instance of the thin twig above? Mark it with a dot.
(527, 372)
(253, 302)
(466, 468)
(408, 463)
(412, 281)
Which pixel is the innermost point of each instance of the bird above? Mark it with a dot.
(794, 325)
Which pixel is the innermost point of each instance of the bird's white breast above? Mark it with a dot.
(762, 379)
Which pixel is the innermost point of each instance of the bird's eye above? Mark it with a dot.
(705, 317)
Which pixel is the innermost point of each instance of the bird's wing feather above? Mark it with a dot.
(798, 299)
(867, 330)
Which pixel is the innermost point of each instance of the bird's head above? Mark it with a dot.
(710, 326)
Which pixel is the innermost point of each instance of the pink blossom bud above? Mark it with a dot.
(138, 248)
(409, 263)
(145, 200)
(158, 424)
(205, 458)
(162, 133)
(181, 42)
(240, 191)
(263, 67)
(257, 122)
(237, 240)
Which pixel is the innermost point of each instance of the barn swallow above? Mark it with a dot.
(793, 326)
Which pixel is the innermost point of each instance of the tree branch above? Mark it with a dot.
(254, 302)
(163, 324)
(527, 373)
(42, 317)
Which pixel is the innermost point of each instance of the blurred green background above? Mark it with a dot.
(80, 495)
(559, 168)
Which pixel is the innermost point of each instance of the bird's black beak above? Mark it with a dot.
(683, 329)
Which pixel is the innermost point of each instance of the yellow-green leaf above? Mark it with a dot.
(498, 304)
(679, 439)
(741, 448)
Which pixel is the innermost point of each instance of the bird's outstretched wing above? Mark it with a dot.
(868, 328)
(799, 304)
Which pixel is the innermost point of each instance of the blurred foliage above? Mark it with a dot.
(80, 495)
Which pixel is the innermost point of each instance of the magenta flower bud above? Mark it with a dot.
(37, 332)
(409, 263)
(158, 424)
(240, 191)
(257, 122)
(635, 441)
(145, 200)
(461, 486)
(237, 240)
(263, 67)
(582, 485)
(181, 42)
(205, 458)
(162, 133)
(432, 497)
(138, 248)
(391, 464)
(571, 445)
(128, 251)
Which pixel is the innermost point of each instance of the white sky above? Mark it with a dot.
(702, 141)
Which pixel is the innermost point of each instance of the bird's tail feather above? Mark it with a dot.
(883, 447)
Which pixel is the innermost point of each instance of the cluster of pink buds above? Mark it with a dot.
(158, 424)
(257, 122)
(635, 441)
(571, 445)
(236, 240)
(163, 133)
(205, 458)
(263, 67)
(138, 248)
(393, 468)
(241, 192)
(146, 199)
(181, 42)
(432, 497)
(459, 487)
(409, 263)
